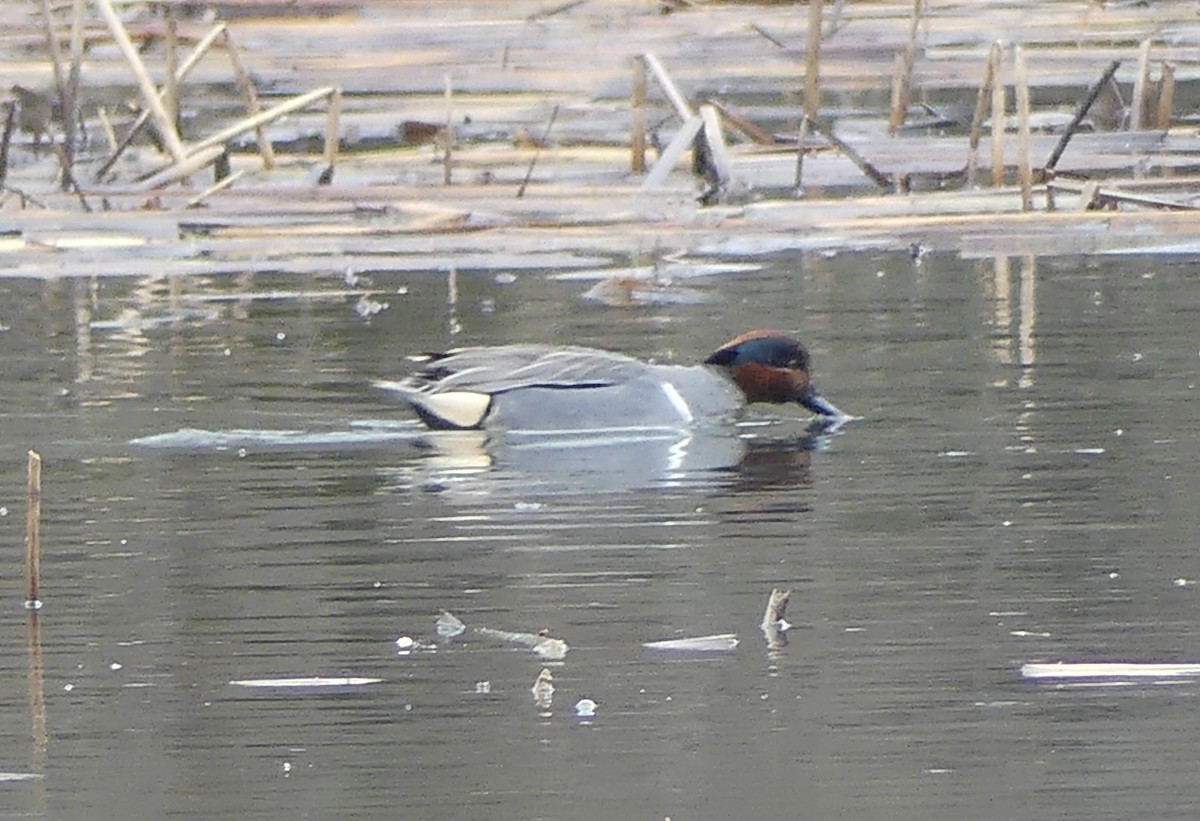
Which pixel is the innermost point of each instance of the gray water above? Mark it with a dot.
(226, 499)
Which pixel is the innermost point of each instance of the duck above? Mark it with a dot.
(545, 388)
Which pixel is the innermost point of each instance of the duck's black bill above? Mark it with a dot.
(819, 404)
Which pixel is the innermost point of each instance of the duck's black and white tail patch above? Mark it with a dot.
(451, 410)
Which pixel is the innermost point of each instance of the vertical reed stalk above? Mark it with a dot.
(1139, 107)
(33, 535)
(448, 137)
(637, 138)
(981, 106)
(1166, 97)
(999, 103)
(1024, 169)
(812, 61)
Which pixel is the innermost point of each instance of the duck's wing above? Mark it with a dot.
(455, 389)
(510, 367)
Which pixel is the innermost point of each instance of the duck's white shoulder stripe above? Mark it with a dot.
(677, 401)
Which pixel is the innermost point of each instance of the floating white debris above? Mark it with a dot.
(312, 681)
(448, 625)
(543, 688)
(1107, 670)
(20, 776)
(585, 708)
(483, 687)
(701, 644)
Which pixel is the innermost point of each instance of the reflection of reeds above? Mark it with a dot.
(37, 693)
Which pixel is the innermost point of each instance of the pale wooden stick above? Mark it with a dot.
(272, 113)
(190, 164)
(681, 106)
(221, 185)
(153, 102)
(671, 154)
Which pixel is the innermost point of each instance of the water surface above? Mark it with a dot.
(1020, 489)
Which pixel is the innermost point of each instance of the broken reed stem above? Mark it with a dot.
(812, 60)
(162, 119)
(637, 136)
(900, 95)
(1024, 169)
(981, 107)
(876, 176)
(733, 119)
(777, 604)
(250, 97)
(1139, 104)
(1080, 112)
(902, 72)
(999, 102)
(537, 151)
(333, 117)
(33, 525)
(181, 74)
(448, 134)
(1166, 97)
